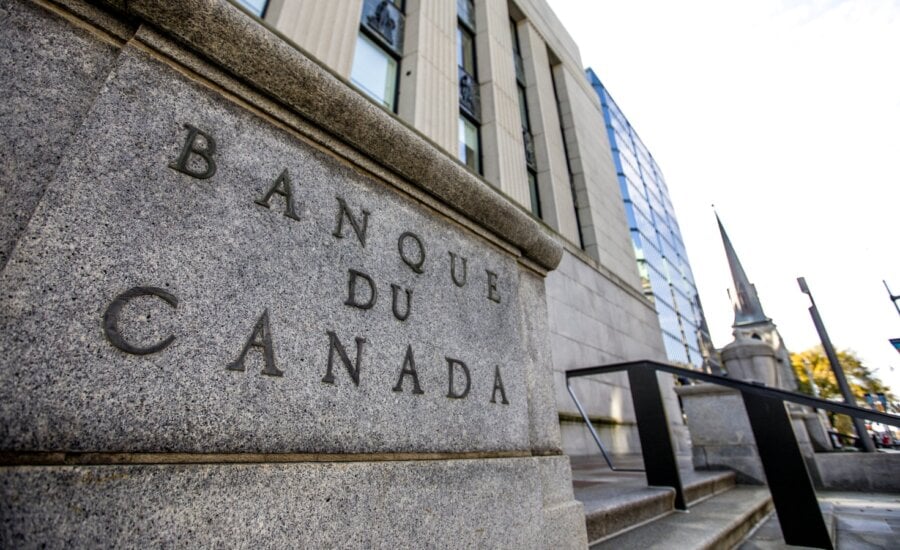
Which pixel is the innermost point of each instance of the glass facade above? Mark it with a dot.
(666, 277)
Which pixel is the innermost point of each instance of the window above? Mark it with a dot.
(256, 7)
(469, 99)
(375, 72)
(469, 144)
(527, 138)
(376, 62)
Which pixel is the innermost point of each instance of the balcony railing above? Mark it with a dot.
(528, 140)
(469, 97)
(520, 68)
(465, 9)
(385, 21)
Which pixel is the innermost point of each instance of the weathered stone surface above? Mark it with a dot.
(750, 360)
(117, 215)
(156, 306)
(721, 437)
(50, 72)
(423, 504)
(868, 472)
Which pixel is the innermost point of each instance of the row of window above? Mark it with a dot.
(376, 69)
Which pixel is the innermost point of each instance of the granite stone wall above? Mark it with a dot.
(242, 305)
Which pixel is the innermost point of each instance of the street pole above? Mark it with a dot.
(891, 295)
(849, 398)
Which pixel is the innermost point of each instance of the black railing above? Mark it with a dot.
(386, 22)
(530, 156)
(786, 474)
(469, 96)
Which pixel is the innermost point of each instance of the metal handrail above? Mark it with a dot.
(783, 463)
(755, 388)
(595, 435)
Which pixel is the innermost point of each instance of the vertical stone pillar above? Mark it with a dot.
(327, 30)
(429, 98)
(553, 176)
(751, 360)
(501, 131)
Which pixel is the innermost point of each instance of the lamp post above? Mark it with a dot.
(849, 398)
(892, 296)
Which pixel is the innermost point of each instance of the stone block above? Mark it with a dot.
(866, 472)
(419, 504)
(262, 281)
(720, 433)
(52, 71)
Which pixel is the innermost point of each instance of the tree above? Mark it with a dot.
(860, 378)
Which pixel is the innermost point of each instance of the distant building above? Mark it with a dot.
(666, 275)
(750, 321)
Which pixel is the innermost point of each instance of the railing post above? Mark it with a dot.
(653, 429)
(788, 479)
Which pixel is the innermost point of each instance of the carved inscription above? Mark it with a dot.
(261, 338)
(358, 227)
(111, 319)
(418, 259)
(205, 149)
(282, 187)
(197, 159)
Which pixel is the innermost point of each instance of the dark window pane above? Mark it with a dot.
(535, 194)
(465, 50)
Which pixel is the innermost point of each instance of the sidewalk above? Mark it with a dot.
(862, 521)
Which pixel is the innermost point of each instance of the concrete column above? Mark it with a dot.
(555, 191)
(501, 131)
(750, 360)
(327, 30)
(429, 94)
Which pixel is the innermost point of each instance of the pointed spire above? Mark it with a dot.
(747, 307)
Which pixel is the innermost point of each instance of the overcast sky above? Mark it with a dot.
(785, 114)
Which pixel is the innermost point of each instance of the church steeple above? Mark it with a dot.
(747, 307)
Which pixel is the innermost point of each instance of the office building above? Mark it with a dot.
(662, 261)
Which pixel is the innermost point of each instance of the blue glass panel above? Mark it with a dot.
(629, 214)
(659, 283)
(675, 349)
(256, 7)
(623, 187)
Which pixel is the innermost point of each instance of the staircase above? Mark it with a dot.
(622, 512)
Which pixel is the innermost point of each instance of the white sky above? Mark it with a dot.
(785, 114)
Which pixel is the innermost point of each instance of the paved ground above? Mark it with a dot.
(862, 521)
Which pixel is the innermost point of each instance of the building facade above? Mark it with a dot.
(499, 85)
(666, 276)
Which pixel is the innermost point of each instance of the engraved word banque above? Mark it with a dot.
(200, 280)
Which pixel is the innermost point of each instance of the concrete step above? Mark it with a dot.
(720, 521)
(615, 502)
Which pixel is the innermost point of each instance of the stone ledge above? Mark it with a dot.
(271, 64)
(451, 504)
